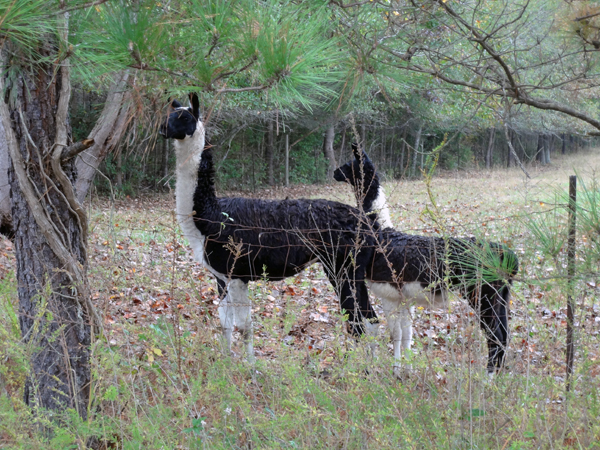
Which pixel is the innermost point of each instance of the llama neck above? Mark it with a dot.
(194, 190)
(189, 153)
(374, 201)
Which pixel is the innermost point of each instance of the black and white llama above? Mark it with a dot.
(410, 270)
(241, 239)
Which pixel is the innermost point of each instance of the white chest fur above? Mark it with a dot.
(188, 160)
(381, 208)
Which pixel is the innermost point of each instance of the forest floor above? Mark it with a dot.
(163, 382)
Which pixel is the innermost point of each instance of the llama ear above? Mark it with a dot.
(175, 104)
(195, 105)
(365, 157)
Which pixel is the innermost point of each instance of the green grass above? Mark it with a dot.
(162, 382)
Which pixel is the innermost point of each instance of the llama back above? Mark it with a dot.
(432, 260)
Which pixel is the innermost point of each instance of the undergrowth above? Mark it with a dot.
(161, 380)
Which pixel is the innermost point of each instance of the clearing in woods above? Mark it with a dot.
(163, 383)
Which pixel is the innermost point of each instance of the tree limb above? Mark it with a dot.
(588, 16)
(75, 149)
(513, 152)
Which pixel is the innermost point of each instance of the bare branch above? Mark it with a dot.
(233, 72)
(84, 6)
(589, 16)
(513, 152)
(482, 41)
(246, 89)
(75, 149)
(351, 5)
(559, 107)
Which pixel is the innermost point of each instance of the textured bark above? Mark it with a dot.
(328, 151)
(49, 238)
(106, 134)
(6, 227)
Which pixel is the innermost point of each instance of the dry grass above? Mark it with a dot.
(162, 381)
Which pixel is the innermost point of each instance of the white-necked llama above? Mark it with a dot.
(241, 239)
(409, 270)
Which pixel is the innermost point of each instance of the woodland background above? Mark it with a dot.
(110, 328)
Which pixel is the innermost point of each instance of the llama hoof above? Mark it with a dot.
(494, 372)
(402, 373)
(325, 374)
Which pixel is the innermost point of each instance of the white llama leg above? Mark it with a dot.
(235, 311)
(226, 318)
(406, 315)
(242, 314)
(372, 333)
(393, 313)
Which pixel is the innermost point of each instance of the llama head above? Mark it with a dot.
(183, 122)
(360, 172)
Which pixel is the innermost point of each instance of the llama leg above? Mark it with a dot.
(406, 315)
(354, 299)
(225, 315)
(372, 333)
(242, 313)
(392, 310)
(494, 322)
(355, 325)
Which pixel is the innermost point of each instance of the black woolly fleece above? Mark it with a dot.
(249, 238)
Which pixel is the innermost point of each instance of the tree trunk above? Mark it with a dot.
(457, 150)
(402, 150)
(571, 144)
(510, 158)
(165, 159)
(55, 309)
(287, 160)
(269, 152)
(548, 148)
(106, 133)
(6, 227)
(489, 156)
(564, 143)
(119, 170)
(328, 151)
(341, 158)
(416, 150)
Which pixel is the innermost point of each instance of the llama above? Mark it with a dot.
(409, 270)
(239, 239)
